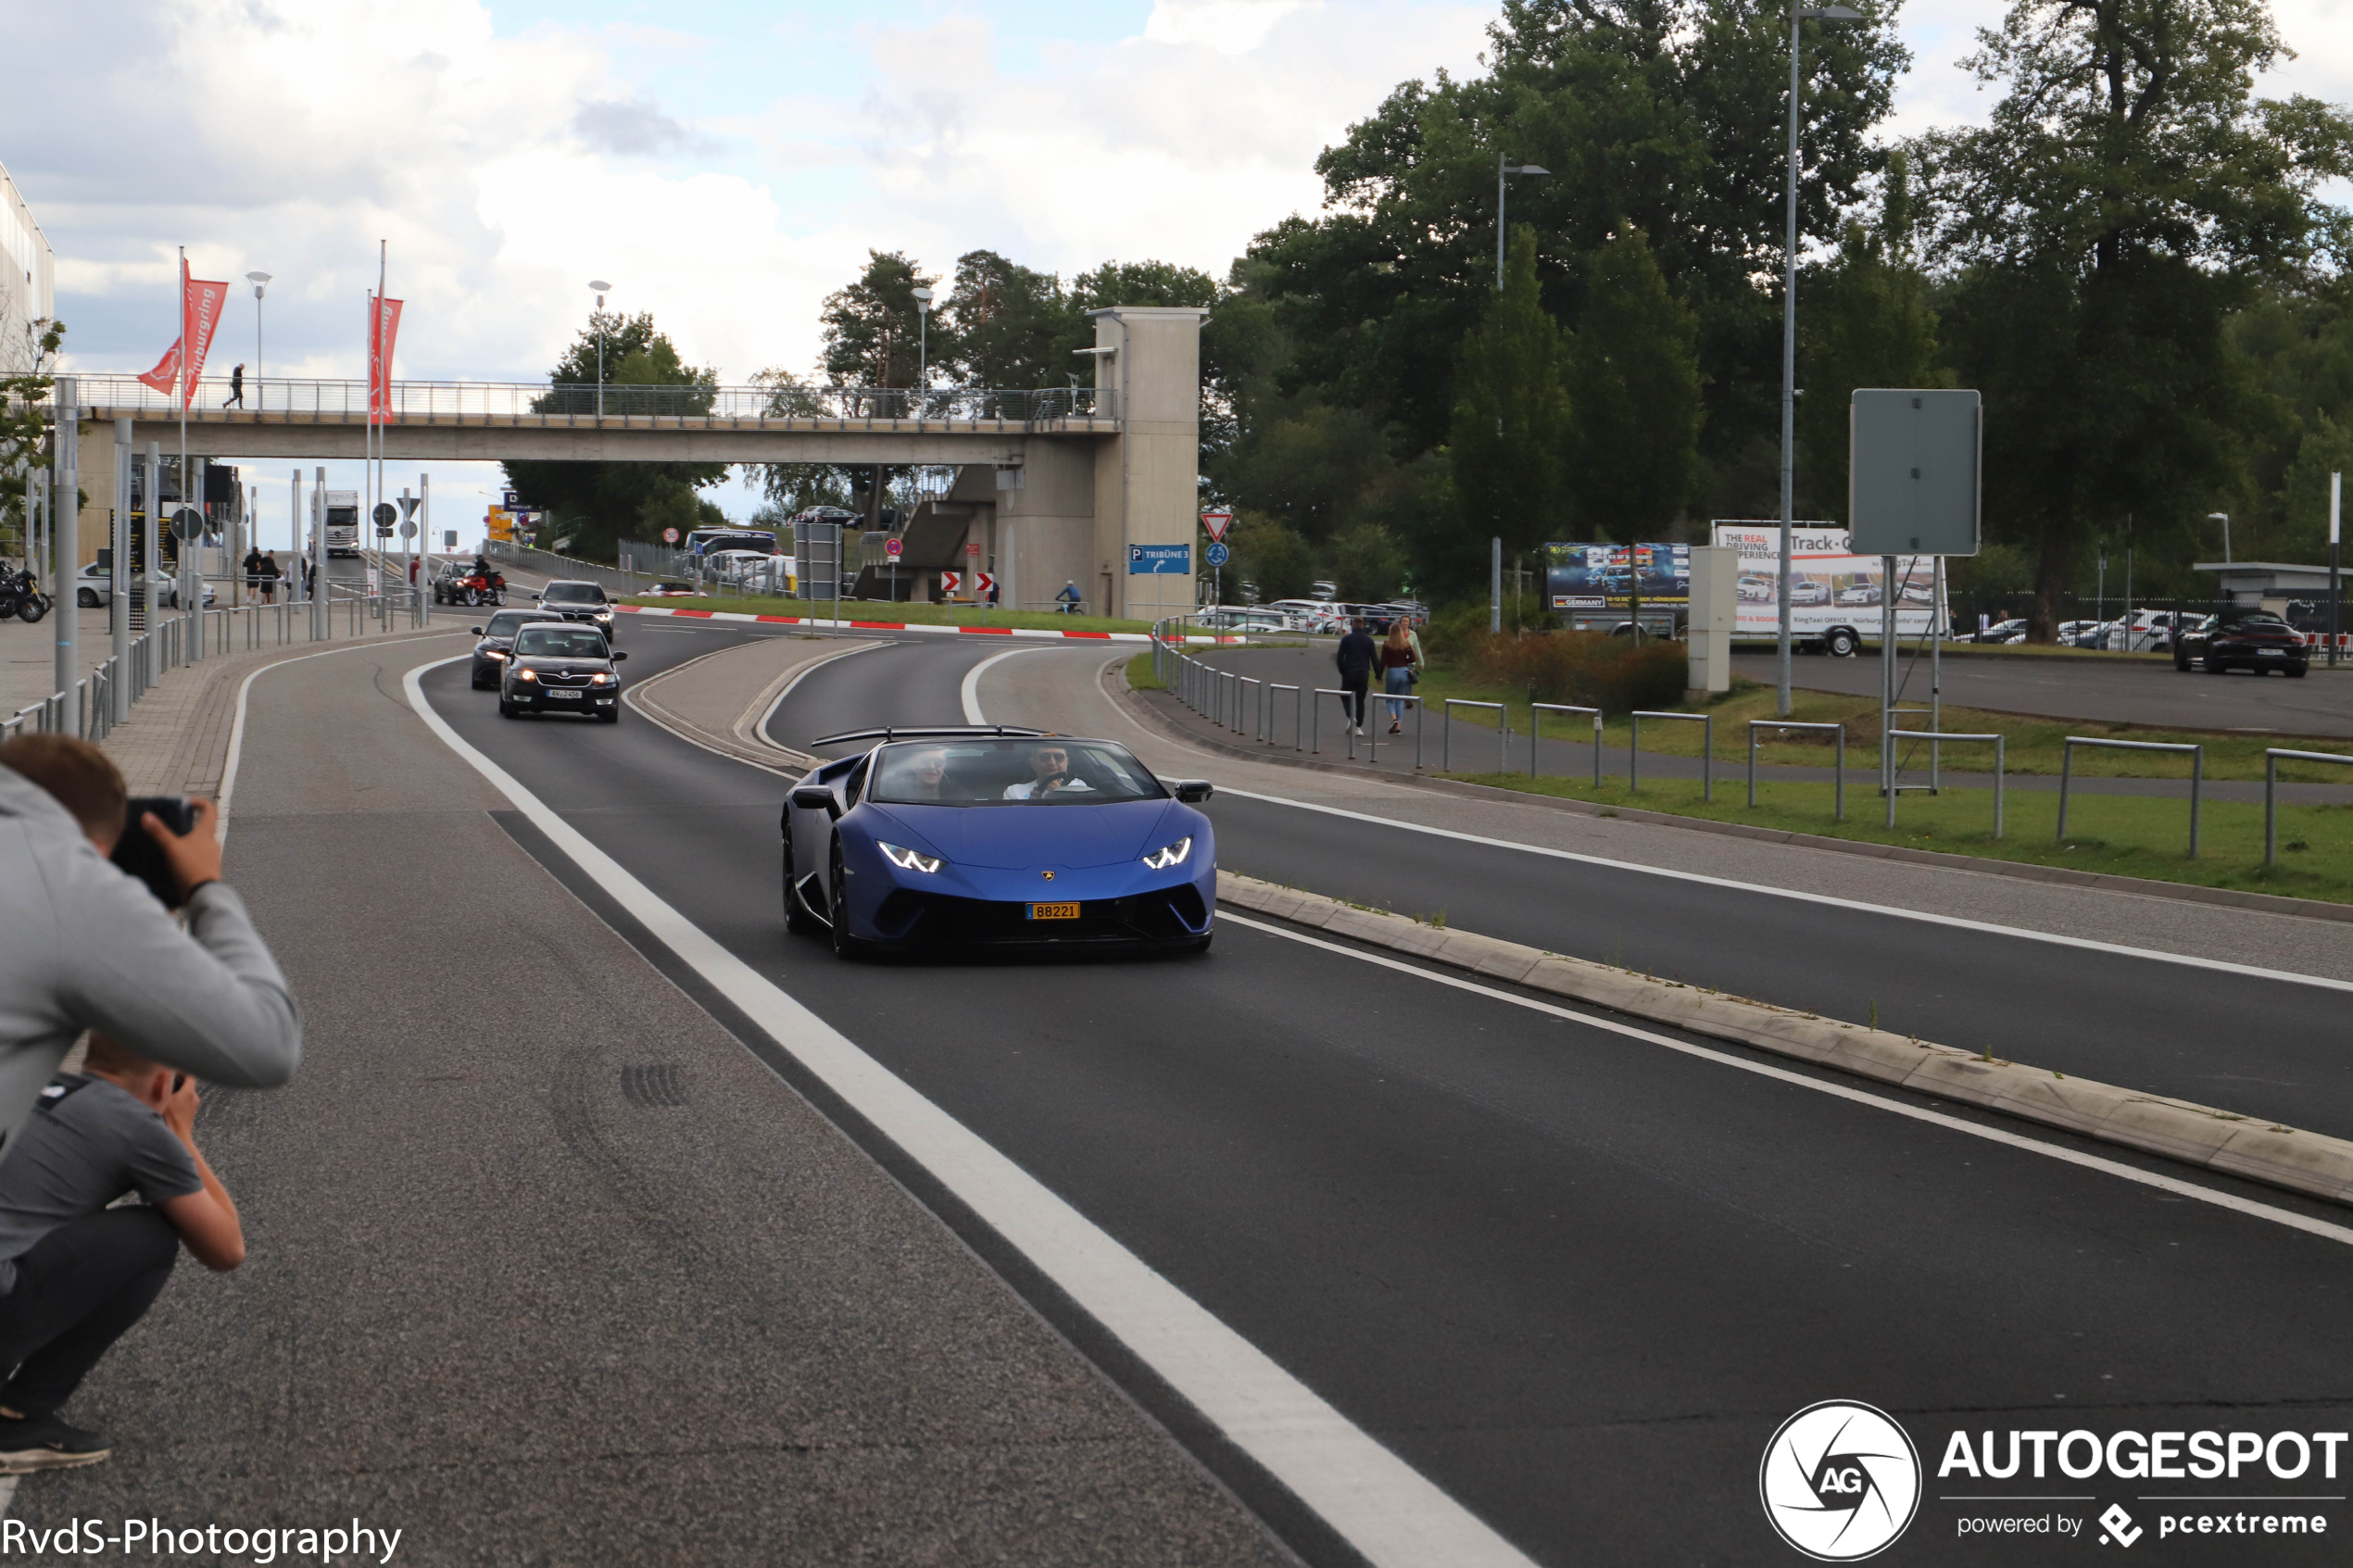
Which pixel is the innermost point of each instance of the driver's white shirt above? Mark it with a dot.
(1029, 790)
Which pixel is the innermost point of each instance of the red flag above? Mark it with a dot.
(384, 330)
(200, 303)
(166, 371)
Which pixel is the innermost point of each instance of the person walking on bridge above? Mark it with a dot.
(237, 398)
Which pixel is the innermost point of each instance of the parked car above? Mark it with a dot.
(672, 589)
(2002, 631)
(2248, 639)
(93, 589)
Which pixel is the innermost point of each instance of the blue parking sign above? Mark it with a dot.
(1157, 560)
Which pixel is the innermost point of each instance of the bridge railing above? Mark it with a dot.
(519, 402)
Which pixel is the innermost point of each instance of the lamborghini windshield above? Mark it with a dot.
(995, 773)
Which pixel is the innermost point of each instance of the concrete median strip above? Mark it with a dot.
(2222, 1141)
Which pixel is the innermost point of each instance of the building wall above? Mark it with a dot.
(1038, 529)
(28, 275)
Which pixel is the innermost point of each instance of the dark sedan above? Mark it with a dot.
(562, 669)
(498, 641)
(2250, 639)
(578, 601)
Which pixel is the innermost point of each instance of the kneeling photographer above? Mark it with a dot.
(85, 945)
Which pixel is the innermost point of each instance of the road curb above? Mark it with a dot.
(1139, 704)
(2223, 1141)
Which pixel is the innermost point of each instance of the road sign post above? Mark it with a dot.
(1215, 523)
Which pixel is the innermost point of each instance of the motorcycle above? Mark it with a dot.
(483, 587)
(21, 597)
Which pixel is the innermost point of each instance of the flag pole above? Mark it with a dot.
(186, 381)
(383, 261)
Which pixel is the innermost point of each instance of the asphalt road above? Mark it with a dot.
(2320, 704)
(1577, 1279)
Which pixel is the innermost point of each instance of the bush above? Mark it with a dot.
(1585, 668)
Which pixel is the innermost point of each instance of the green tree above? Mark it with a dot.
(1367, 563)
(26, 419)
(1863, 321)
(595, 505)
(871, 325)
(1010, 326)
(1511, 436)
(1271, 556)
(1633, 397)
(2128, 193)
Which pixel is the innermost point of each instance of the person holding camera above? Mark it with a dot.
(75, 1273)
(85, 945)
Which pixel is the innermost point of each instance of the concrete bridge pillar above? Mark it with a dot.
(1147, 478)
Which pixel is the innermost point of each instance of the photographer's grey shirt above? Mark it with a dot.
(85, 945)
(88, 1142)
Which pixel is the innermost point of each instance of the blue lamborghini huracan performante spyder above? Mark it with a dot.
(990, 835)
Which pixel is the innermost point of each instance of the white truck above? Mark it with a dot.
(343, 522)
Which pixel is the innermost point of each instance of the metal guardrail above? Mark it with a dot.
(1536, 711)
(1706, 749)
(2272, 758)
(787, 406)
(2197, 776)
(1938, 735)
(1503, 733)
(1838, 795)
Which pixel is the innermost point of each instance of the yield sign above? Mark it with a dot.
(1218, 522)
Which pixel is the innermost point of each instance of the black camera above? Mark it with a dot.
(137, 851)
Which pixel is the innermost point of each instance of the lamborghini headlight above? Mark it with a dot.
(1169, 854)
(909, 859)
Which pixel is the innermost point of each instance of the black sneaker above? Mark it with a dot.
(42, 1442)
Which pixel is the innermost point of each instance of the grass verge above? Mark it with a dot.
(1140, 676)
(2120, 835)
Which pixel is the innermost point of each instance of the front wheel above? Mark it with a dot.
(1842, 644)
(86, 597)
(473, 597)
(798, 920)
(32, 608)
(837, 907)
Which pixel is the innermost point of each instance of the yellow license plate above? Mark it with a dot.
(1053, 912)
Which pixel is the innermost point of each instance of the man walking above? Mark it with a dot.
(237, 398)
(1354, 658)
(251, 565)
(269, 575)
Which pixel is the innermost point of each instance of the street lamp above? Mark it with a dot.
(602, 287)
(260, 282)
(2224, 518)
(1799, 15)
(924, 296)
(1504, 165)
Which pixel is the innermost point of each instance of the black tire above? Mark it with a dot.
(86, 597)
(612, 718)
(838, 910)
(1842, 643)
(505, 708)
(2182, 660)
(2295, 672)
(2215, 665)
(798, 920)
(30, 611)
(473, 597)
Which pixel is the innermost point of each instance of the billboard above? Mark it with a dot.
(1830, 585)
(1604, 576)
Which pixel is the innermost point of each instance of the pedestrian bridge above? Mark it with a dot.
(493, 421)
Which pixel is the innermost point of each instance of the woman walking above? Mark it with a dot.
(1397, 664)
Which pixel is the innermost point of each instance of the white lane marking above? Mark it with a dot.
(972, 682)
(237, 728)
(2341, 1233)
(2219, 965)
(1388, 1511)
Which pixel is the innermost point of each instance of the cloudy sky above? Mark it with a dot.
(725, 165)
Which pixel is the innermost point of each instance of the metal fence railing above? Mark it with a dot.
(2197, 773)
(784, 406)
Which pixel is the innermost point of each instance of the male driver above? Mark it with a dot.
(75, 1273)
(1050, 761)
(926, 774)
